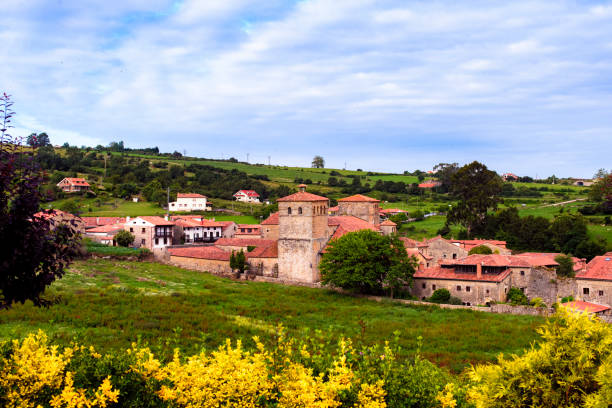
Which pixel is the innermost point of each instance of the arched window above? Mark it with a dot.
(299, 210)
(289, 210)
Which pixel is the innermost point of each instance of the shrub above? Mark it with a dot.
(480, 249)
(440, 296)
(454, 301)
(516, 297)
(124, 238)
(566, 266)
(537, 302)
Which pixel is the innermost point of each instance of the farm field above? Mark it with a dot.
(111, 303)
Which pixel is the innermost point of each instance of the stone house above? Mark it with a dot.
(57, 217)
(594, 282)
(269, 227)
(360, 206)
(440, 249)
(248, 231)
(151, 232)
(74, 185)
(201, 258)
(189, 202)
(388, 227)
(104, 234)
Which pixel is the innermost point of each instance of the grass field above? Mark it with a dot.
(111, 303)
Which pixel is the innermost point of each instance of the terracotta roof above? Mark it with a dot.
(548, 259)
(95, 221)
(186, 223)
(155, 220)
(333, 209)
(429, 185)
(271, 220)
(302, 196)
(249, 193)
(212, 224)
(599, 268)
(48, 214)
(105, 228)
(491, 260)
(205, 252)
(585, 306)
(266, 251)
(438, 272)
(359, 198)
(471, 243)
(409, 242)
(77, 181)
(348, 223)
(244, 242)
(392, 211)
(189, 195)
(388, 223)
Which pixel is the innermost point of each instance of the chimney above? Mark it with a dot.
(479, 270)
(127, 219)
(166, 217)
(302, 188)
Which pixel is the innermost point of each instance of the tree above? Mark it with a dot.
(367, 262)
(480, 249)
(32, 254)
(441, 295)
(601, 173)
(566, 266)
(444, 173)
(601, 191)
(38, 140)
(516, 297)
(124, 238)
(477, 189)
(238, 261)
(318, 162)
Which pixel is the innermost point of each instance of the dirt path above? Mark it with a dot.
(563, 203)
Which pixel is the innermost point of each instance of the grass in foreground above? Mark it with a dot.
(112, 303)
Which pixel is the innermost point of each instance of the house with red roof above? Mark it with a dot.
(248, 231)
(594, 282)
(104, 234)
(509, 177)
(74, 185)
(151, 232)
(58, 217)
(247, 196)
(197, 229)
(189, 202)
(430, 184)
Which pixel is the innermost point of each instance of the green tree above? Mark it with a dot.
(238, 261)
(516, 297)
(480, 249)
(124, 238)
(571, 366)
(440, 296)
(367, 262)
(444, 173)
(567, 232)
(318, 162)
(566, 266)
(477, 189)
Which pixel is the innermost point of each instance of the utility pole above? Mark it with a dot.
(168, 199)
(268, 160)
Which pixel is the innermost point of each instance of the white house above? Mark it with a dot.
(74, 184)
(150, 232)
(199, 230)
(188, 202)
(247, 196)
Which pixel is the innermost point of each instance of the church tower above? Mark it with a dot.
(360, 206)
(302, 235)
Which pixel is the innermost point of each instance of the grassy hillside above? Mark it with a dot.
(110, 304)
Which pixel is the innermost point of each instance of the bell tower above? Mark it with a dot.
(302, 234)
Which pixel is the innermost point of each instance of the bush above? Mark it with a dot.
(516, 297)
(440, 296)
(537, 302)
(480, 249)
(124, 238)
(454, 301)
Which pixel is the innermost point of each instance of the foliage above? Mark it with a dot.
(318, 162)
(445, 172)
(601, 190)
(570, 367)
(124, 238)
(33, 254)
(441, 295)
(516, 297)
(477, 189)
(566, 266)
(537, 302)
(481, 249)
(367, 262)
(38, 140)
(238, 261)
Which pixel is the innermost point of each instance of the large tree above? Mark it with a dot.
(32, 254)
(38, 140)
(444, 173)
(601, 191)
(318, 162)
(477, 188)
(367, 262)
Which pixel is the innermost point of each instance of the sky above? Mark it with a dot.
(381, 85)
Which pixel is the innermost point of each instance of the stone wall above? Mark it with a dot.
(470, 292)
(269, 232)
(441, 249)
(203, 265)
(366, 210)
(264, 267)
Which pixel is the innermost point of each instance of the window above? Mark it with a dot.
(289, 210)
(522, 273)
(444, 256)
(523, 290)
(458, 288)
(299, 210)
(142, 241)
(585, 291)
(165, 241)
(131, 229)
(467, 288)
(487, 291)
(601, 293)
(424, 286)
(454, 256)
(156, 241)
(218, 233)
(143, 230)
(433, 287)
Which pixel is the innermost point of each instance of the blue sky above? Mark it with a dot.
(383, 85)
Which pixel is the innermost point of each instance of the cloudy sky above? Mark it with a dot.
(381, 85)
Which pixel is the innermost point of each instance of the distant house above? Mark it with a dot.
(247, 196)
(57, 217)
(583, 183)
(509, 177)
(104, 234)
(430, 184)
(248, 231)
(188, 202)
(74, 185)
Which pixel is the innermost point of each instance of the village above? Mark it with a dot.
(287, 248)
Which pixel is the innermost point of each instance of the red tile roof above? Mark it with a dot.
(249, 193)
(48, 214)
(359, 198)
(271, 220)
(429, 185)
(409, 243)
(266, 251)
(491, 260)
(96, 221)
(155, 220)
(599, 268)
(206, 252)
(105, 228)
(392, 211)
(302, 196)
(438, 272)
(186, 223)
(213, 224)
(189, 195)
(334, 209)
(587, 307)
(471, 243)
(348, 223)
(548, 259)
(77, 181)
(244, 242)
(388, 223)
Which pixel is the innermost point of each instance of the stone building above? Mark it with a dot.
(388, 227)
(440, 249)
(360, 206)
(189, 202)
(151, 232)
(269, 227)
(594, 282)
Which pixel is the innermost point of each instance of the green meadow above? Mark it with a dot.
(111, 304)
